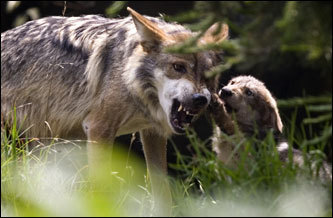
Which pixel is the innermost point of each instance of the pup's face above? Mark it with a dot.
(251, 103)
(176, 79)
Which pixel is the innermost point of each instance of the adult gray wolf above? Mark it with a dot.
(89, 76)
(243, 108)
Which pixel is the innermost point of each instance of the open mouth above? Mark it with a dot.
(181, 116)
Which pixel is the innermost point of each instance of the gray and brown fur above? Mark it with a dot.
(61, 70)
(244, 108)
(98, 78)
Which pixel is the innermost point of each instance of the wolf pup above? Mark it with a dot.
(101, 78)
(247, 104)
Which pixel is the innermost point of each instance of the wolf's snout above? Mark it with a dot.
(225, 92)
(199, 100)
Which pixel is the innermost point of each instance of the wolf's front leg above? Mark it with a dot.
(99, 160)
(154, 146)
(101, 135)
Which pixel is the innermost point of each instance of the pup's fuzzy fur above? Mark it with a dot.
(245, 107)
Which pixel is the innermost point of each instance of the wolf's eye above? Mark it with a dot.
(179, 68)
(232, 82)
(248, 92)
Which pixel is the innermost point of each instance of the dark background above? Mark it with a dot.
(286, 45)
(77, 8)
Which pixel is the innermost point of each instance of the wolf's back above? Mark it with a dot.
(55, 70)
(52, 69)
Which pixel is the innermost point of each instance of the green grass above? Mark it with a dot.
(262, 186)
(52, 180)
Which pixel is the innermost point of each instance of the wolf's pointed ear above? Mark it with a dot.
(149, 32)
(215, 34)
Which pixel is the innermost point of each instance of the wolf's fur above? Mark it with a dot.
(59, 70)
(245, 103)
(101, 78)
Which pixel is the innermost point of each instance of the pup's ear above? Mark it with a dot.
(271, 118)
(215, 34)
(151, 35)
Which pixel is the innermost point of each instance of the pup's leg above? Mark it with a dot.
(222, 119)
(223, 147)
(154, 147)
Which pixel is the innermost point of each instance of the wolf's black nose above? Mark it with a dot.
(199, 100)
(225, 92)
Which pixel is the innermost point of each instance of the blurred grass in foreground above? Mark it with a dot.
(52, 180)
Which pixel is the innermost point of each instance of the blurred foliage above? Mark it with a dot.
(52, 180)
(289, 40)
(114, 9)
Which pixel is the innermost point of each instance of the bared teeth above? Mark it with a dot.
(180, 108)
(187, 112)
(220, 92)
